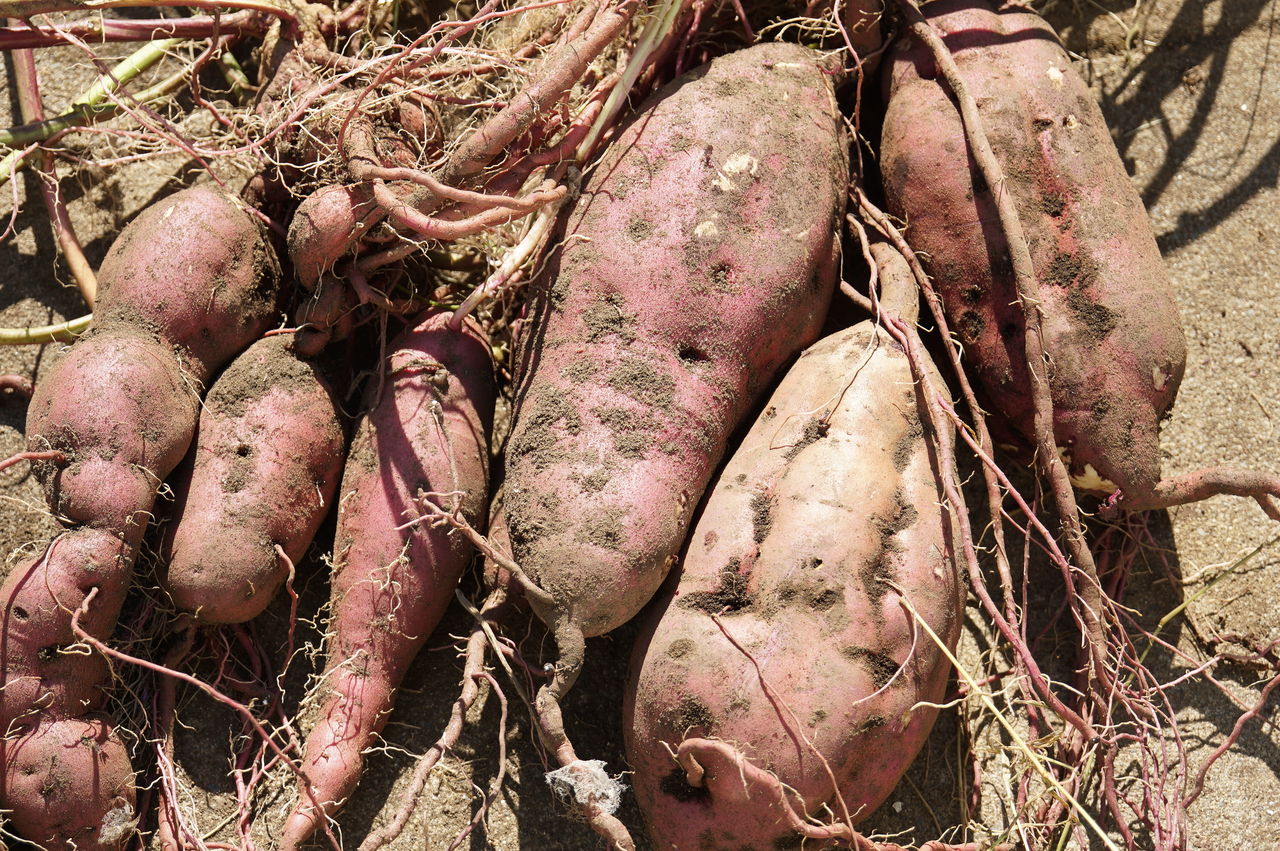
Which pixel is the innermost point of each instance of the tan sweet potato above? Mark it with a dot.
(263, 473)
(786, 635)
(1111, 328)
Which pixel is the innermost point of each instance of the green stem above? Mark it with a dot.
(63, 332)
(128, 68)
(235, 76)
(10, 165)
(92, 104)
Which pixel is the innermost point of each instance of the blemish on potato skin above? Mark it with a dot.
(639, 228)
(880, 667)
(691, 714)
(906, 445)
(676, 785)
(761, 516)
(680, 648)
(731, 595)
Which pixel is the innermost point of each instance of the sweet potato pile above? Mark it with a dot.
(674, 422)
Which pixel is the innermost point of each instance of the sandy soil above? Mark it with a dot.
(1193, 98)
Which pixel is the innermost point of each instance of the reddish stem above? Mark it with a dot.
(1202, 484)
(47, 455)
(31, 107)
(100, 30)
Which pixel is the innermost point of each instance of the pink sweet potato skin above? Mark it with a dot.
(197, 270)
(693, 266)
(831, 497)
(187, 284)
(265, 466)
(40, 681)
(1111, 328)
(427, 432)
(75, 777)
(67, 779)
(121, 408)
(323, 227)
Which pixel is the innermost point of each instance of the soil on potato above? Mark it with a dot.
(1193, 101)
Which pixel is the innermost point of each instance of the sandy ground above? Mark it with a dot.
(1193, 98)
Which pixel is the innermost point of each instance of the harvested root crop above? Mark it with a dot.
(185, 286)
(425, 436)
(262, 475)
(691, 270)
(789, 643)
(1109, 323)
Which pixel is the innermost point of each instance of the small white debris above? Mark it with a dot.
(1055, 74)
(585, 783)
(706, 229)
(117, 825)
(897, 806)
(739, 164)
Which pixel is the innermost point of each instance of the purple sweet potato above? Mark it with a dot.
(825, 519)
(121, 408)
(186, 285)
(1111, 328)
(75, 777)
(263, 473)
(427, 432)
(197, 270)
(699, 258)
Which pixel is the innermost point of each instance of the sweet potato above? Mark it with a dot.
(693, 267)
(699, 259)
(197, 270)
(428, 432)
(75, 776)
(38, 597)
(263, 472)
(67, 779)
(1111, 329)
(785, 640)
(323, 228)
(121, 408)
(185, 286)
